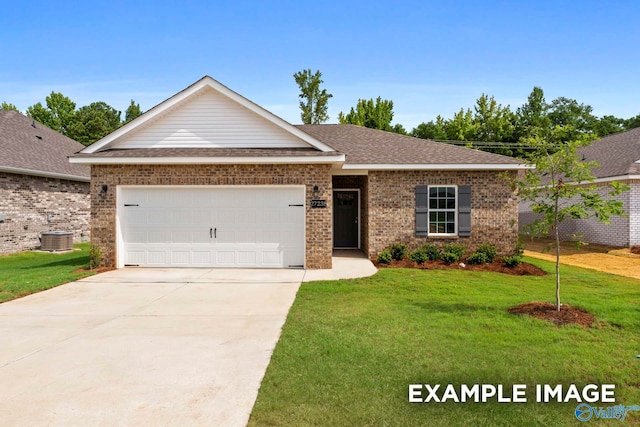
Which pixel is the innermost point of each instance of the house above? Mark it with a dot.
(39, 189)
(618, 157)
(208, 178)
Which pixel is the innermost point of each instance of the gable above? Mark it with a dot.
(207, 114)
(209, 120)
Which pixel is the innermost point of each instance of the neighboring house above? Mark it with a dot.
(39, 189)
(208, 178)
(618, 157)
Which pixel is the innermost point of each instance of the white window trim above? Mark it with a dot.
(455, 212)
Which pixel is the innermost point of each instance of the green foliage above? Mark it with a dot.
(59, 114)
(512, 261)
(398, 251)
(95, 256)
(384, 257)
(450, 257)
(372, 115)
(478, 258)
(433, 252)
(133, 111)
(456, 249)
(313, 100)
(489, 250)
(7, 107)
(560, 188)
(93, 122)
(418, 256)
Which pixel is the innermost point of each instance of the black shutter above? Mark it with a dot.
(464, 210)
(422, 211)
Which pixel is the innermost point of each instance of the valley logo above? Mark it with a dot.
(585, 412)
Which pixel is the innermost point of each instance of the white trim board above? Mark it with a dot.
(20, 171)
(206, 160)
(475, 166)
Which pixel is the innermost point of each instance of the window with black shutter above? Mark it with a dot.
(443, 210)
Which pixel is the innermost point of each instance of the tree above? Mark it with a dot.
(561, 187)
(633, 122)
(94, 121)
(607, 125)
(57, 115)
(374, 115)
(431, 129)
(533, 117)
(493, 121)
(576, 119)
(314, 101)
(133, 111)
(7, 106)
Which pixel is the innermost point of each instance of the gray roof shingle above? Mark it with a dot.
(616, 154)
(40, 149)
(371, 146)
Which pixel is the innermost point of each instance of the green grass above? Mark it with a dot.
(28, 272)
(350, 348)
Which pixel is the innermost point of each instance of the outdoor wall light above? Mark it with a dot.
(103, 191)
(315, 189)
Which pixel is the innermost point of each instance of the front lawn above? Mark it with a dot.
(28, 272)
(350, 349)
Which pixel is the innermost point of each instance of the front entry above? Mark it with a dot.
(345, 218)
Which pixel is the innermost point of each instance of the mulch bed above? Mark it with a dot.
(635, 250)
(524, 269)
(547, 311)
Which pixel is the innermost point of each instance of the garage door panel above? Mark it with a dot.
(173, 226)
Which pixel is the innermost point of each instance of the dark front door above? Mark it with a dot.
(345, 219)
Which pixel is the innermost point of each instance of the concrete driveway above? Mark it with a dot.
(142, 347)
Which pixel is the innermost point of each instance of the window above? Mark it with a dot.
(442, 210)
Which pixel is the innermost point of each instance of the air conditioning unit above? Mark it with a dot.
(56, 241)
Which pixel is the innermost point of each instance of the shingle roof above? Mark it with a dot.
(39, 149)
(371, 146)
(616, 154)
(209, 152)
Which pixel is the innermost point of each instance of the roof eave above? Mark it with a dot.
(44, 174)
(441, 166)
(209, 160)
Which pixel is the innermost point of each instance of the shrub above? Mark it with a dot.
(455, 248)
(450, 257)
(490, 251)
(512, 261)
(398, 251)
(433, 252)
(478, 258)
(95, 256)
(384, 257)
(419, 256)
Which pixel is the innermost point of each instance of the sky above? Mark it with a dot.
(430, 58)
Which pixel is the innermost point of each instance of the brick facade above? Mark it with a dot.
(318, 221)
(623, 231)
(32, 205)
(391, 209)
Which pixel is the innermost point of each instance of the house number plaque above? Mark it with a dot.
(317, 203)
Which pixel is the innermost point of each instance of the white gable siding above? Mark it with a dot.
(210, 120)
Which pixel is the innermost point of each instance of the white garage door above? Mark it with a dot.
(212, 226)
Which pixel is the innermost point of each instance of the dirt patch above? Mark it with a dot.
(95, 270)
(635, 250)
(607, 259)
(524, 269)
(547, 311)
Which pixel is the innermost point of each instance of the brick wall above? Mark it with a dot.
(28, 202)
(619, 232)
(360, 182)
(391, 201)
(318, 221)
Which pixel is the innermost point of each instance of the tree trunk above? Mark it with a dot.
(557, 233)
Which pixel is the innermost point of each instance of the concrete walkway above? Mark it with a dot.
(147, 347)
